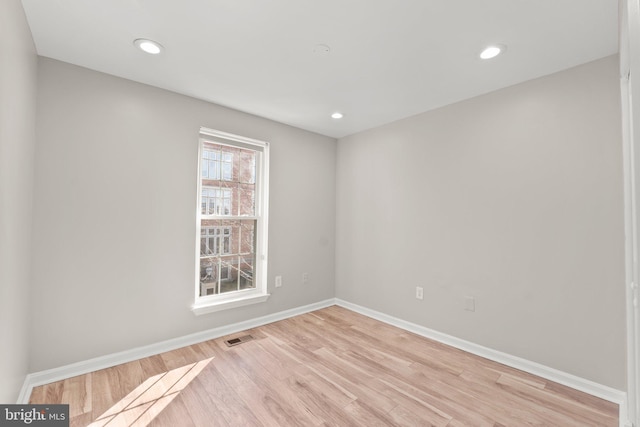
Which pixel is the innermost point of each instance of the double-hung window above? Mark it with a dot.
(231, 221)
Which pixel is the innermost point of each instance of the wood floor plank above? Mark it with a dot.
(404, 417)
(330, 367)
(275, 388)
(81, 420)
(603, 406)
(366, 415)
(102, 397)
(77, 391)
(410, 406)
(568, 410)
(326, 406)
(174, 415)
(153, 365)
(433, 394)
(326, 387)
(37, 395)
(211, 397)
(269, 410)
(53, 392)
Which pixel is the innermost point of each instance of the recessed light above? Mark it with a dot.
(148, 46)
(492, 51)
(337, 115)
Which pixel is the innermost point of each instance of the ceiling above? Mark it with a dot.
(388, 59)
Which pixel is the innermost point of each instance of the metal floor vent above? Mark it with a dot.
(239, 340)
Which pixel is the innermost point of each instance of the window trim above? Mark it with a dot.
(213, 303)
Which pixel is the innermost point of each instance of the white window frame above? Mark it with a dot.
(212, 303)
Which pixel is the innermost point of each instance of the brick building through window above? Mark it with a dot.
(228, 218)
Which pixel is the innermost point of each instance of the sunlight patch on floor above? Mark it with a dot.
(144, 403)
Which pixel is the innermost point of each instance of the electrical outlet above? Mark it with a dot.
(278, 281)
(470, 303)
(305, 278)
(419, 292)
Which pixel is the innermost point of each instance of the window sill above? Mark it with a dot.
(200, 308)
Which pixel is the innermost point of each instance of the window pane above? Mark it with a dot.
(227, 175)
(246, 200)
(204, 168)
(229, 193)
(227, 277)
(208, 277)
(214, 168)
(216, 201)
(247, 167)
(227, 248)
(246, 272)
(245, 236)
(218, 275)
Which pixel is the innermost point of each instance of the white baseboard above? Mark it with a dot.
(607, 393)
(569, 380)
(56, 374)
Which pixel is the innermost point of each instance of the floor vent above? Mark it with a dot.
(239, 340)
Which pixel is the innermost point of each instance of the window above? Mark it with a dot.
(217, 164)
(215, 241)
(216, 201)
(232, 221)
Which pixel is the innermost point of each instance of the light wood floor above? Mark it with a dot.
(332, 367)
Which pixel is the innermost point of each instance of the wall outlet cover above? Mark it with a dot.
(470, 303)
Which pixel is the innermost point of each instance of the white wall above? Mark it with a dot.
(115, 216)
(514, 198)
(17, 138)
